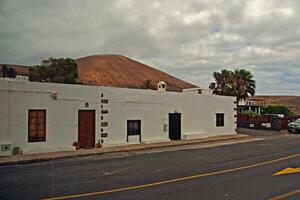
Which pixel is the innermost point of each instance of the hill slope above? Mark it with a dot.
(20, 69)
(293, 102)
(120, 71)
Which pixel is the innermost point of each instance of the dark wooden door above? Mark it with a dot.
(86, 128)
(175, 126)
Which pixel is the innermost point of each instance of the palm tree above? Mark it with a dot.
(4, 71)
(243, 84)
(147, 84)
(222, 81)
(237, 83)
(9, 72)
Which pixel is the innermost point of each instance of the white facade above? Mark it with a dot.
(250, 105)
(197, 91)
(62, 103)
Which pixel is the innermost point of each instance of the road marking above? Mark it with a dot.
(288, 170)
(286, 195)
(172, 180)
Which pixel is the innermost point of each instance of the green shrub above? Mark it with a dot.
(276, 109)
(56, 70)
(251, 113)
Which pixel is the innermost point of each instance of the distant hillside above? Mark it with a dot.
(120, 71)
(117, 71)
(293, 102)
(20, 69)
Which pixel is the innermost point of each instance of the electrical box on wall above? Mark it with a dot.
(165, 124)
(165, 127)
(5, 147)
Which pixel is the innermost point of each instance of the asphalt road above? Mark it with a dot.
(235, 171)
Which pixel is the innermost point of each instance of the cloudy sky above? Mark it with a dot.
(189, 39)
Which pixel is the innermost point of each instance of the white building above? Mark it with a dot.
(43, 117)
(250, 105)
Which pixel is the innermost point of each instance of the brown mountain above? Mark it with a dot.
(118, 71)
(292, 102)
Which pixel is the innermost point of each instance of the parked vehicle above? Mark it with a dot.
(294, 127)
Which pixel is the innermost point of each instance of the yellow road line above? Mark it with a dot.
(172, 180)
(286, 195)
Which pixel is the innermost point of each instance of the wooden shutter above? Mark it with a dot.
(36, 125)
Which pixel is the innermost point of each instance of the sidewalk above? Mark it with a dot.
(22, 159)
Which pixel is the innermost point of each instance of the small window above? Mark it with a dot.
(104, 101)
(36, 125)
(104, 134)
(219, 119)
(133, 127)
(104, 111)
(163, 86)
(104, 124)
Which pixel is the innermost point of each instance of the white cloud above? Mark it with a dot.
(289, 12)
(227, 37)
(260, 10)
(201, 17)
(257, 9)
(190, 39)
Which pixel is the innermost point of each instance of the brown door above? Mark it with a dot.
(86, 128)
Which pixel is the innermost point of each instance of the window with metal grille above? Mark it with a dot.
(133, 127)
(36, 125)
(219, 119)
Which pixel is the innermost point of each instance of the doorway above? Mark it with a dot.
(86, 128)
(175, 126)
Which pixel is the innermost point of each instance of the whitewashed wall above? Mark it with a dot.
(151, 107)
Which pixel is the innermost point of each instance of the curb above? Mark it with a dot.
(110, 150)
